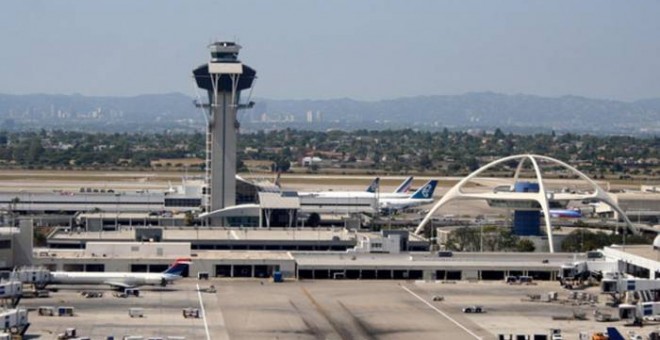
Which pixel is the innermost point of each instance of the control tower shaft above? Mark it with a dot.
(223, 77)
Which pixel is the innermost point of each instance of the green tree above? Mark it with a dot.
(525, 245)
(463, 239)
(282, 165)
(508, 241)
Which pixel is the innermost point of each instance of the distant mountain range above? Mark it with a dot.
(176, 111)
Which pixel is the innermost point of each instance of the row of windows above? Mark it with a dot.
(183, 202)
(243, 221)
(169, 202)
(82, 202)
(303, 247)
(285, 247)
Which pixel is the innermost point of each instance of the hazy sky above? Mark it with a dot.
(327, 49)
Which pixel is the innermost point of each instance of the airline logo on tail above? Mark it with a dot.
(373, 187)
(426, 191)
(178, 267)
(614, 334)
(405, 186)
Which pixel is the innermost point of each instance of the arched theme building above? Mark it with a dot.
(528, 198)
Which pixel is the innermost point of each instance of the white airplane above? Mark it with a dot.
(565, 213)
(371, 191)
(122, 280)
(401, 190)
(423, 195)
(404, 186)
(373, 187)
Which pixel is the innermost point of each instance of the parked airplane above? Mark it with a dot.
(402, 189)
(423, 195)
(565, 213)
(371, 191)
(123, 280)
(373, 187)
(614, 334)
(404, 186)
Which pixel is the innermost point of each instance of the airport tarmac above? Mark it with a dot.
(256, 309)
(48, 180)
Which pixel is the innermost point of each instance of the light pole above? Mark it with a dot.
(481, 237)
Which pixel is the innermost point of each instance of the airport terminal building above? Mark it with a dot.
(304, 254)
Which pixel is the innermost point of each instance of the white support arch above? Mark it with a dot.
(541, 197)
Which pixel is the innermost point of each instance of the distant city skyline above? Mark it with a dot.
(366, 50)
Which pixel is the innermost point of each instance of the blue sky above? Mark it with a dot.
(365, 49)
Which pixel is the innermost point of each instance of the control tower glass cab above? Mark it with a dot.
(223, 78)
(224, 51)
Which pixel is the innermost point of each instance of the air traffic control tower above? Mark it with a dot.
(223, 77)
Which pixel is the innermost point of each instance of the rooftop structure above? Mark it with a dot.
(292, 239)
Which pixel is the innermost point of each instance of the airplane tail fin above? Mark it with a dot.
(373, 187)
(614, 334)
(178, 267)
(405, 186)
(426, 191)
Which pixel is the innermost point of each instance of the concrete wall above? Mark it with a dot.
(287, 267)
(17, 245)
(23, 242)
(434, 274)
(6, 255)
(223, 159)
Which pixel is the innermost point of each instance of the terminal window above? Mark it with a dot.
(183, 202)
(5, 244)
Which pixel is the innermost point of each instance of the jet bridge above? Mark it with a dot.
(582, 270)
(15, 321)
(621, 285)
(38, 276)
(10, 293)
(631, 289)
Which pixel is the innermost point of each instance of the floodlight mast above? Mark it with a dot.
(223, 77)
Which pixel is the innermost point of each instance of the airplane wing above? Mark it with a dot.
(118, 284)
